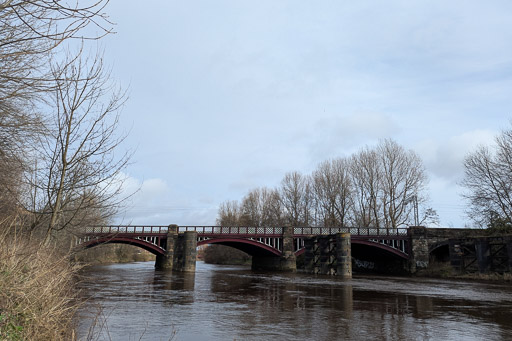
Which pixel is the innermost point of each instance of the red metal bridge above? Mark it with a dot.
(253, 240)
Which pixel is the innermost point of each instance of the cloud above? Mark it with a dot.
(444, 158)
(154, 202)
(338, 136)
(142, 197)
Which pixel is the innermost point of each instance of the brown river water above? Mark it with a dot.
(136, 302)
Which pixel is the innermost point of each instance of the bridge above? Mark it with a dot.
(253, 240)
(327, 250)
(274, 248)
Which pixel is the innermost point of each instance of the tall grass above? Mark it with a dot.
(37, 296)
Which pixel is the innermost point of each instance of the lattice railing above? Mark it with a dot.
(243, 230)
(246, 230)
(135, 229)
(356, 231)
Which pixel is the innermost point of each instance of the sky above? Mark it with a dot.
(227, 96)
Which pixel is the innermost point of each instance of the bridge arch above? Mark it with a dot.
(143, 244)
(439, 251)
(249, 246)
(380, 246)
(370, 243)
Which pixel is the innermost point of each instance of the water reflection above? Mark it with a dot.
(226, 303)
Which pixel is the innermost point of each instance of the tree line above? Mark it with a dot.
(383, 186)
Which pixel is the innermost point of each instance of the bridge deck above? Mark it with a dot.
(248, 231)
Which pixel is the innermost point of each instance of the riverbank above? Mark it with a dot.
(112, 253)
(444, 270)
(38, 299)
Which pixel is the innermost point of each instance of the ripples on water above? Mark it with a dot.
(233, 303)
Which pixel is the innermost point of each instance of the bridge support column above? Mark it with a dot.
(186, 252)
(343, 255)
(166, 261)
(287, 262)
(288, 259)
(329, 255)
(418, 253)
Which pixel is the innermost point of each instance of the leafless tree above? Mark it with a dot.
(79, 175)
(488, 182)
(31, 34)
(229, 213)
(261, 207)
(295, 194)
(332, 191)
(403, 176)
(366, 175)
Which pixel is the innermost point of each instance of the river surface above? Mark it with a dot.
(136, 302)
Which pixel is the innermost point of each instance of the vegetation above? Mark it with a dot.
(37, 296)
(377, 187)
(113, 253)
(58, 114)
(488, 183)
(220, 254)
(59, 158)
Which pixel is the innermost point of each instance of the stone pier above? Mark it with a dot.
(181, 251)
(419, 253)
(329, 255)
(343, 255)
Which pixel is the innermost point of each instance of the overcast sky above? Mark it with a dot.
(226, 96)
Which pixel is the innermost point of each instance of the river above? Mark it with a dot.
(135, 302)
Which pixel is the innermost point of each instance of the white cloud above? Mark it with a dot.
(342, 135)
(444, 158)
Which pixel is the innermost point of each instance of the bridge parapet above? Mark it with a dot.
(233, 230)
(395, 233)
(128, 229)
(248, 230)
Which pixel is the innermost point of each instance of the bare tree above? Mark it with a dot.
(403, 176)
(366, 175)
(261, 207)
(229, 213)
(295, 194)
(332, 190)
(80, 175)
(31, 32)
(488, 182)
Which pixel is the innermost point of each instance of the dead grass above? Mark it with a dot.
(37, 296)
(445, 270)
(493, 276)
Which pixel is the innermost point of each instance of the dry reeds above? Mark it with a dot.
(37, 297)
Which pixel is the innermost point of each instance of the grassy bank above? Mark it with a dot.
(445, 270)
(113, 253)
(37, 296)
